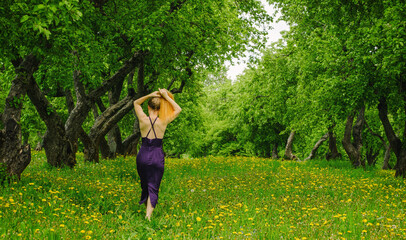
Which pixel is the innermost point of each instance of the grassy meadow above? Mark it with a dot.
(205, 198)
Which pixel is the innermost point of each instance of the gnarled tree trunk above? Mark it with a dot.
(316, 146)
(58, 148)
(372, 157)
(114, 135)
(396, 144)
(353, 149)
(15, 157)
(108, 119)
(103, 146)
(332, 145)
(288, 150)
(275, 151)
(386, 159)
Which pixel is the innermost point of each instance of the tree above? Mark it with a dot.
(93, 45)
(352, 44)
(15, 157)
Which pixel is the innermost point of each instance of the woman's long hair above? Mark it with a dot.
(166, 110)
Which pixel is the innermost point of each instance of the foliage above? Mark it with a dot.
(232, 197)
(184, 134)
(327, 66)
(342, 50)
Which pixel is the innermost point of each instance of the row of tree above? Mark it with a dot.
(339, 73)
(63, 60)
(71, 69)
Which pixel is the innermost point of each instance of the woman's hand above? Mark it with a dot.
(164, 93)
(155, 94)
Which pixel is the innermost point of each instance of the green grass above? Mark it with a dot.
(206, 198)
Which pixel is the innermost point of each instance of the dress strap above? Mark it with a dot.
(152, 126)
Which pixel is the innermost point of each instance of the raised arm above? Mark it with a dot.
(141, 100)
(176, 107)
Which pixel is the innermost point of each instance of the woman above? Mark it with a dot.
(162, 110)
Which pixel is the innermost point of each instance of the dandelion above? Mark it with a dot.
(198, 219)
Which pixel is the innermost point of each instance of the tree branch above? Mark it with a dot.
(110, 117)
(318, 144)
(171, 83)
(128, 66)
(376, 135)
(180, 89)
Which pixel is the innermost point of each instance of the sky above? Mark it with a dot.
(273, 36)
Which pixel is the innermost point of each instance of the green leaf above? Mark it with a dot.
(53, 8)
(24, 18)
(39, 7)
(47, 33)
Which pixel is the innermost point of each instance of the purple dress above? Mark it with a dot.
(150, 166)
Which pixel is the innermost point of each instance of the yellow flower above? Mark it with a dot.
(198, 219)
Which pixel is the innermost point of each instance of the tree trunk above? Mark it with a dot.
(114, 135)
(103, 146)
(85, 102)
(386, 159)
(58, 148)
(109, 118)
(275, 154)
(394, 141)
(40, 142)
(288, 150)
(130, 144)
(15, 157)
(371, 156)
(318, 144)
(90, 151)
(372, 159)
(332, 145)
(353, 149)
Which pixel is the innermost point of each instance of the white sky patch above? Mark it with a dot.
(273, 36)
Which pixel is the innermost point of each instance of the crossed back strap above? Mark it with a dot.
(152, 126)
